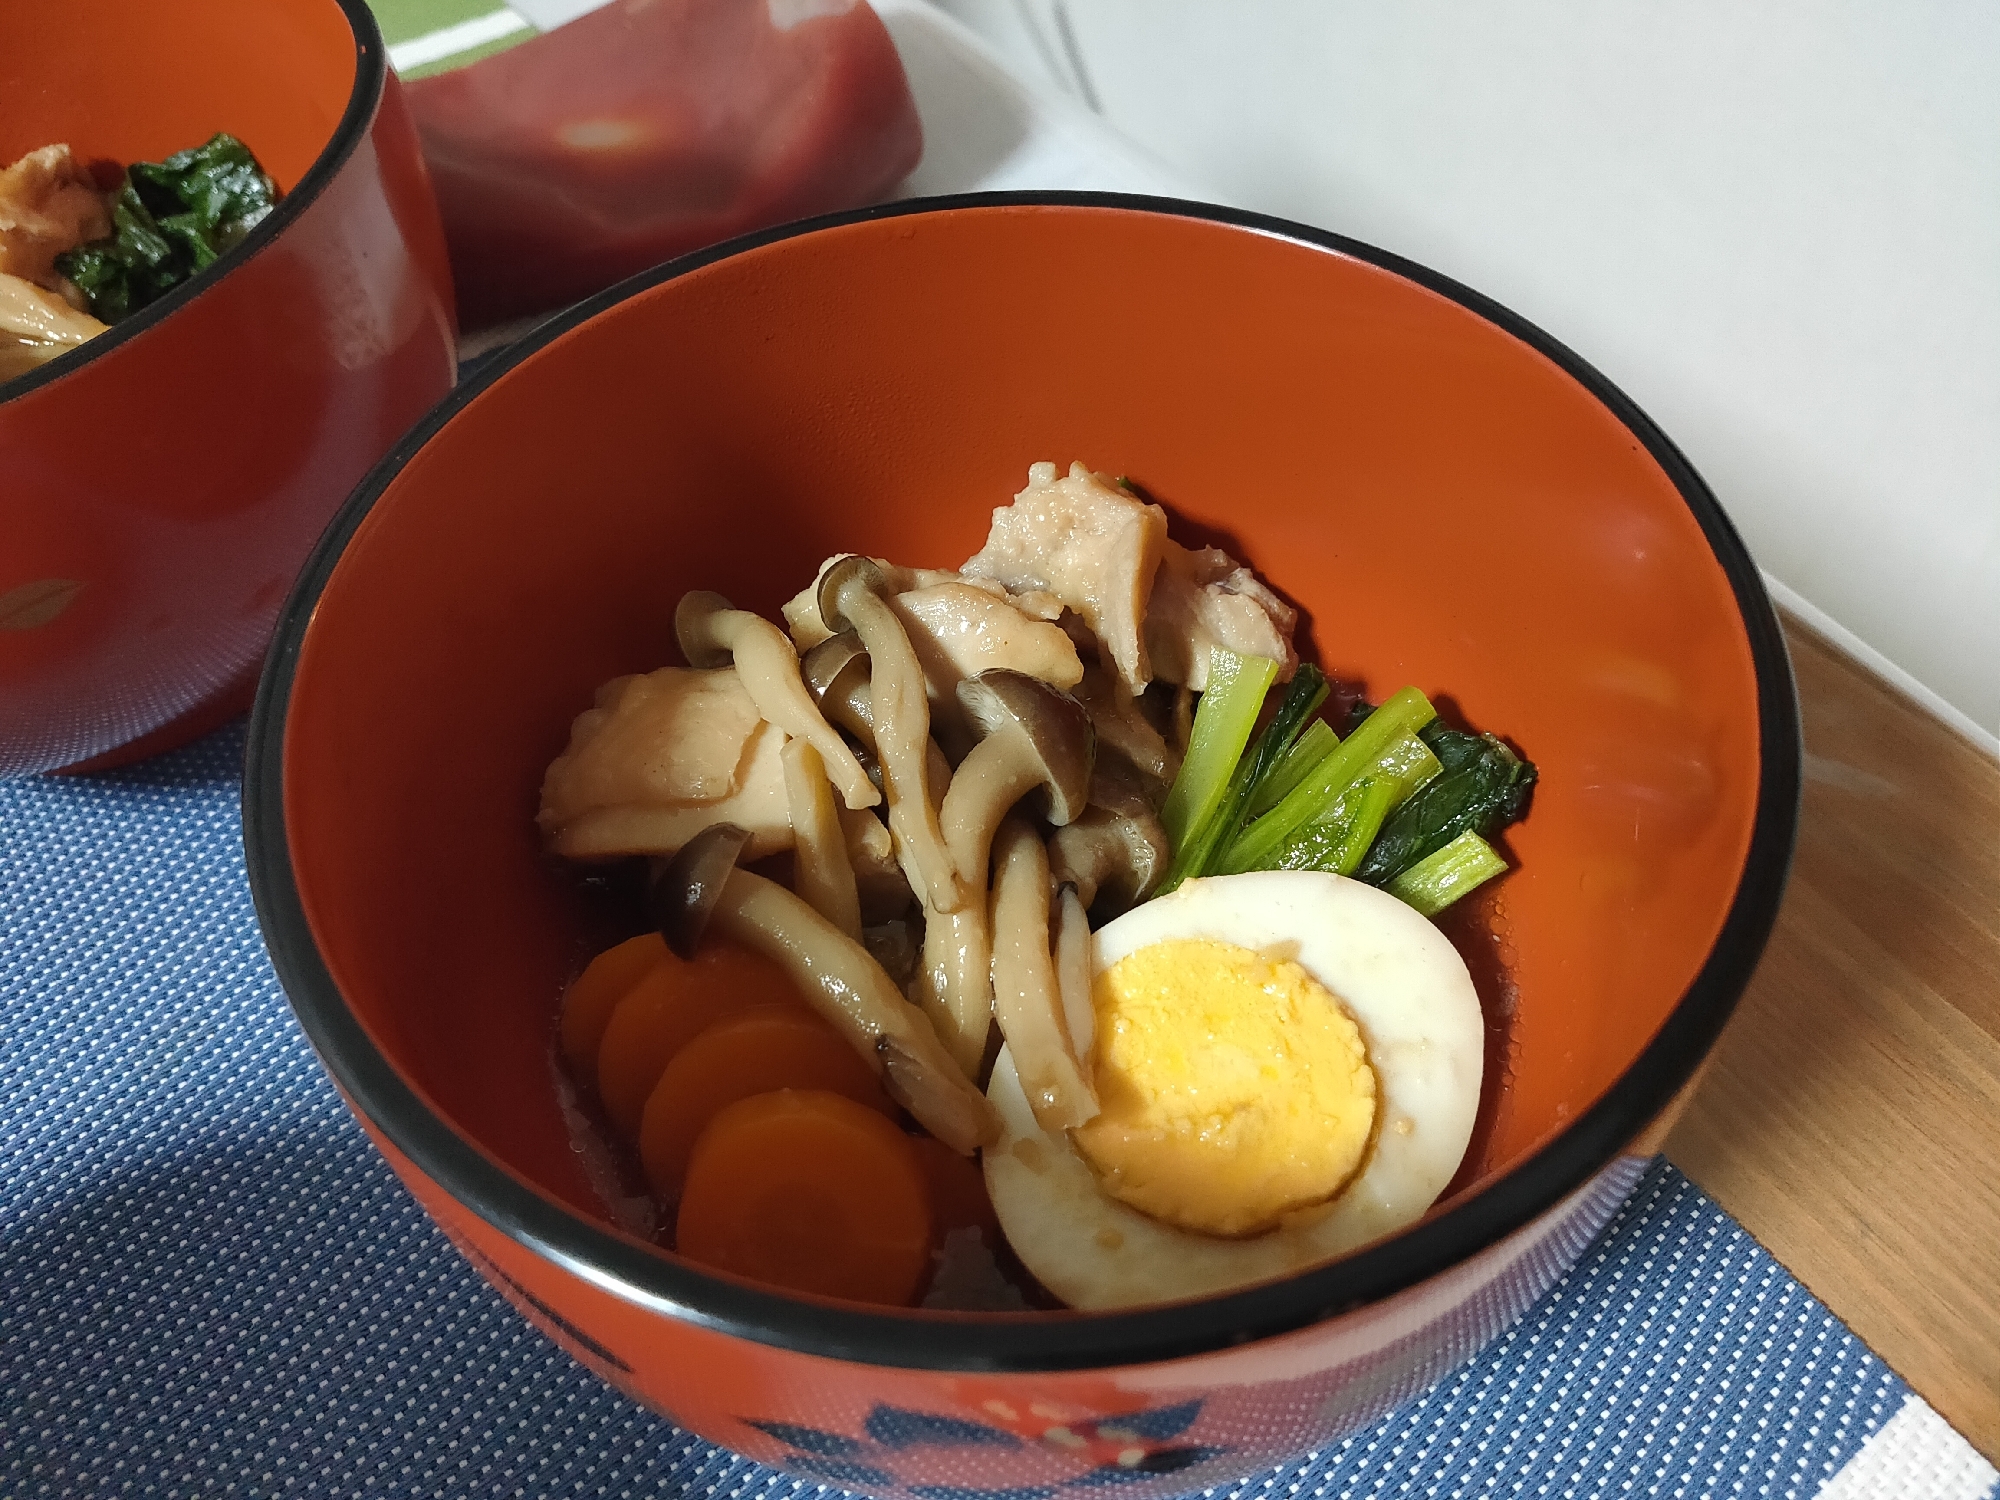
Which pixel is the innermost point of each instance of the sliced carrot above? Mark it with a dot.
(668, 1008)
(595, 993)
(751, 1052)
(809, 1191)
(957, 1188)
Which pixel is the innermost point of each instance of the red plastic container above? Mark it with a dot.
(648, 128)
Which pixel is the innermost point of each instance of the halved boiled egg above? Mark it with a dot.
(1288, 1065)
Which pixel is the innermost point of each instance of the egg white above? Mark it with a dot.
(1408, 992)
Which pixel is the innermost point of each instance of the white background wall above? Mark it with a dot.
(1777, 226)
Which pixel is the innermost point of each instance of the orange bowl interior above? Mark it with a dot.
(136, 80)
(1448, 506)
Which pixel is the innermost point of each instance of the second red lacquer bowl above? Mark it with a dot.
(1452, 498)
(161, 484)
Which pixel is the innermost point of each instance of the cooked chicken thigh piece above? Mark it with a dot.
(661, 757)
(1091, 545)
(1202, 600)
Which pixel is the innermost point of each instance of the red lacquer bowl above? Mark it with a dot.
(160, 486)
(1455, 501)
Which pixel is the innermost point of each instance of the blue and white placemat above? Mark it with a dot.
(210, 1285)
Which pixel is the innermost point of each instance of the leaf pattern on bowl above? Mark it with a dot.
(33, 605)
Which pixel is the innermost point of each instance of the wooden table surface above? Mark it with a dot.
(1850, 1118)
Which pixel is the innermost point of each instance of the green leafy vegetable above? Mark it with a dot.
(1196, 854)
(1315, 743)
(1483, 788)
(172, 219)
(1337, 844)
(1313, 799)
(1222, 723)
(1402, 802)
(1434, 882)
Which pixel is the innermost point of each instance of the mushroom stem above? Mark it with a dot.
(998, 772)
(712, 632)
(1073, 976)
(955, 977)
(824, 876)
(955, 984)
(851, 594)
(1035, 736)
(1026, 999)
(853, 994)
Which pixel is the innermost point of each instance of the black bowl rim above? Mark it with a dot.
(370, 73)
(1047, 1341)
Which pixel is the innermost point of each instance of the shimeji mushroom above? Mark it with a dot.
(1112, 859)
(879, 881)
(822, 871)
(1028, 999)
(1072, 955)
(853, 593)
(954, 981)
(701, 888)
(836, 675)
(1035, 735)
(713, 633)
(1032, 735)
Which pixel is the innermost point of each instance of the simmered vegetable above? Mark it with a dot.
(1169, 1090)
(594, 994)
(807, 1190)
(1483, 787)
(756, 1050)
(171, 219)
(1201, 851)
(1378, 805)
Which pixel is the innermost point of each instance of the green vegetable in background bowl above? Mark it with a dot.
(170, 220)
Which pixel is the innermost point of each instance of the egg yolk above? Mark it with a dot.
(1234, 1087)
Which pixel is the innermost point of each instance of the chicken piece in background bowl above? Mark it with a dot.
(1448, 497)
(49, 206)
(164, 479)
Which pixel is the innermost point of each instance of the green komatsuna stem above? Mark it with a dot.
(1337, 844)
(1312, 800)
(1223, 720)
(1485, 786)
(1408, 765)
(1437, 880)
(1196, 856)
(1315, 743)
(1193, 857)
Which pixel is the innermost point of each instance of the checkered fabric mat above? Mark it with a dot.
(211, 1286)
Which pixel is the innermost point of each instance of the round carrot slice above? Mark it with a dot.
(809, 1191)
(751, 1052)
(957, 1189)
(668, 1008)
(595, 993)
